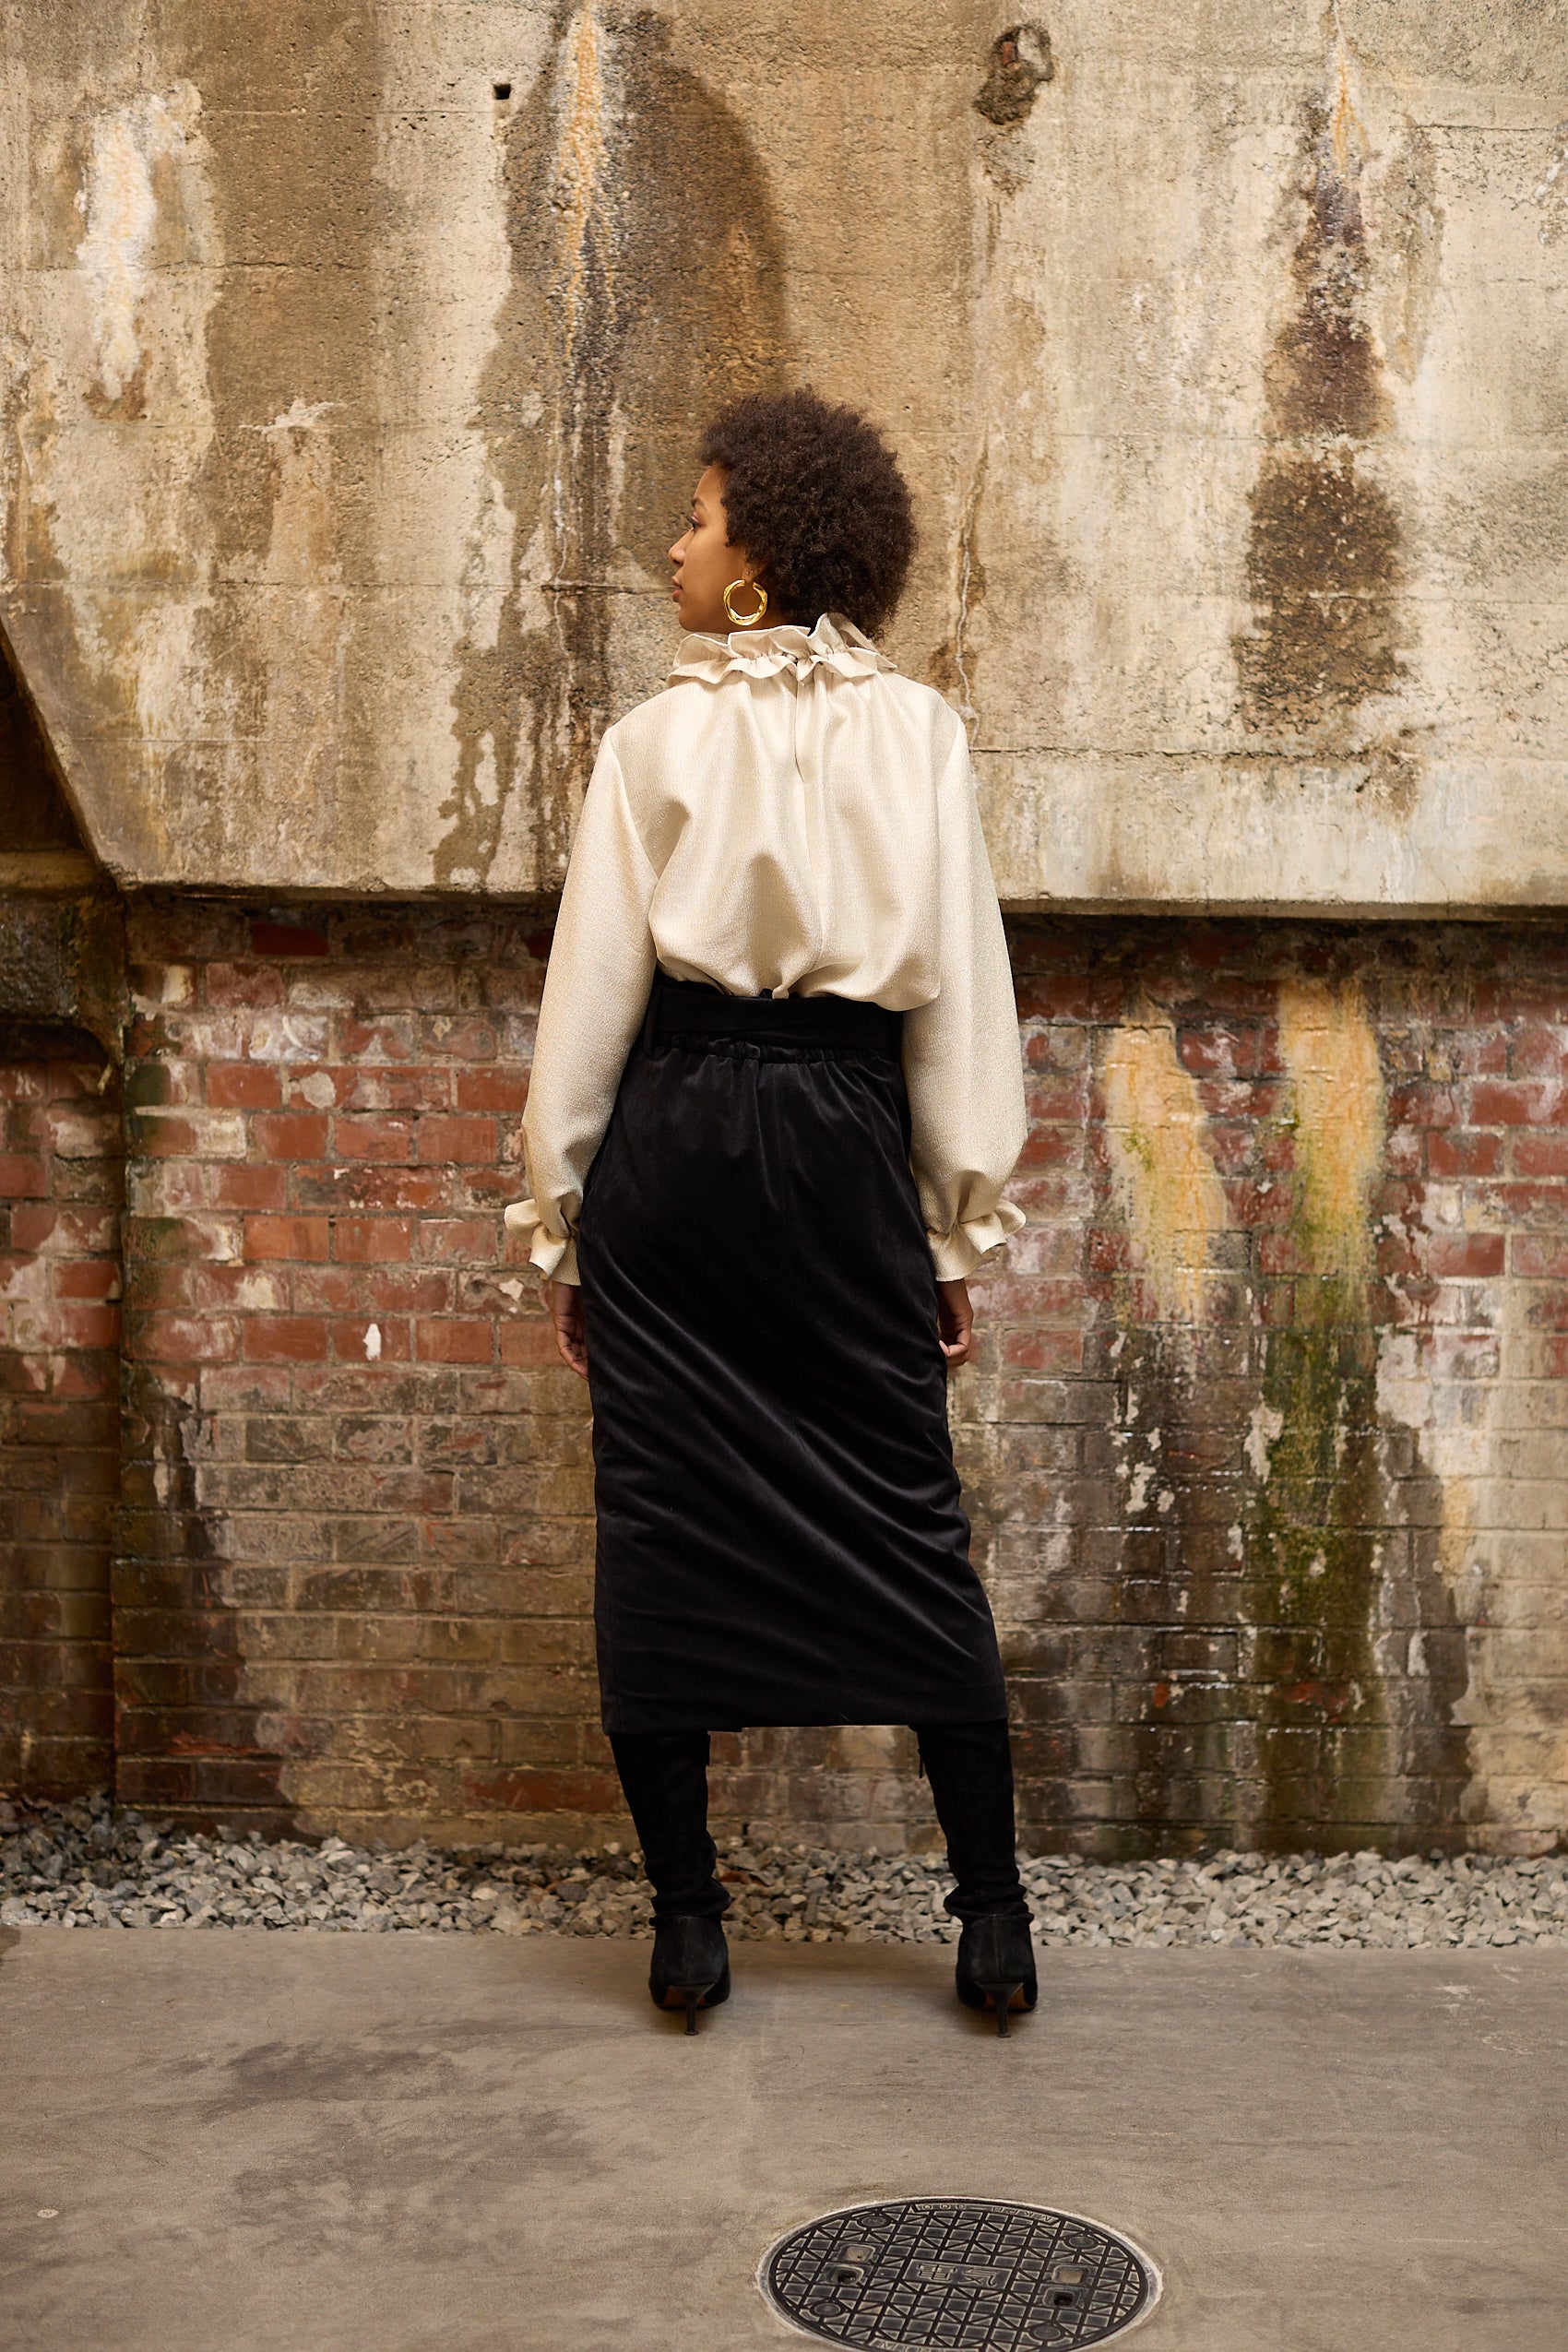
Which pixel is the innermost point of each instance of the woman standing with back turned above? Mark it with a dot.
(776, 1094)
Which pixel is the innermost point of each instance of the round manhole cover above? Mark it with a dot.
(963, 2272)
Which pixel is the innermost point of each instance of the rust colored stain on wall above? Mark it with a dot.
(647, 289)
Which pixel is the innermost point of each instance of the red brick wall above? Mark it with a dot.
(1264, 1449)
(1270, 1450)
(59, 1417)
(364, 1593)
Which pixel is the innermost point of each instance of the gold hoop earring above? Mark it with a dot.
(745, 620)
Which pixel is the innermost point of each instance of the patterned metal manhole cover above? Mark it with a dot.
(962, 2273)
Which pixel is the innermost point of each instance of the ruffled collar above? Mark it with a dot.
(834, 644)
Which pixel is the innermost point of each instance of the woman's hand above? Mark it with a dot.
(566, 1309)
(954, 1324)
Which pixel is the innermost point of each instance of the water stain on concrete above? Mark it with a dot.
(647, 291)
(283, 488)
(1324, 563)
(1411, 230)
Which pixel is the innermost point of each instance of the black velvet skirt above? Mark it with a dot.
(780, 1537)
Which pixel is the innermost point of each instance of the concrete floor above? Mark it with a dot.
(253, 2142)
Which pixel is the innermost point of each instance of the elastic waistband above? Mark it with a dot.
(690, 1008)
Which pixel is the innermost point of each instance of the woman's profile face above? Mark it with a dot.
(705, 562)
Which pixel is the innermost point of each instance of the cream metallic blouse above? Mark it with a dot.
(792, 817)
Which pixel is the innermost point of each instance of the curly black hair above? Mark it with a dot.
(813, 494)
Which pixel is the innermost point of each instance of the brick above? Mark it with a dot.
(1537, 1155)
(245, 985)
(1476, 1254)
(363, 1137)
(365, 1240)
(292, 1239)
(530, 1342)
(186, 1339)
(463, 1141)
(1463, 1151)
(372, 1188)
(498, 1089)
(449, 1340)
(1540, 1050)
(290, 1134)
(298, 1339)
(242, 1086)
(1538, 1257)
(276, 938)
(250, 1187)
(22, 1176)
(1517, 1103)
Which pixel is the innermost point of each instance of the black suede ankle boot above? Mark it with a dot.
(691, 1967)
(996, 1964)
(664, 1774)
(970, 1766)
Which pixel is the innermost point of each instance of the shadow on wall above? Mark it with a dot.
(647, 289)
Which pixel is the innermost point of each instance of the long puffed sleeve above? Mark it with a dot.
(961, 1060)
(595, 991)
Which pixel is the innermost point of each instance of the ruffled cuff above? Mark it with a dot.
(959, 1253)
(555, 1258)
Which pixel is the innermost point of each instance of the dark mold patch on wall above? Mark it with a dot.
(185, 1735)
(1324, 565)
(1020, 61)
(647, 289)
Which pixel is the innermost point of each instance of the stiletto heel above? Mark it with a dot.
(1002, 1998)
(691, 1968)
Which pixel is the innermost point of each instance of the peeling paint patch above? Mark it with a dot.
(120, 208)
(1410, 232)
(1264, 1425)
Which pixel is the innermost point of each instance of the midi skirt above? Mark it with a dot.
(779, 1534)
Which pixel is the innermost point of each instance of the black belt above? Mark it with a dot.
(690, 1008)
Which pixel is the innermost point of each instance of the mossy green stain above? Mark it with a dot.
(1313, 1558)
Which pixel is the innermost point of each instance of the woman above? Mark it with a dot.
(776, 1094)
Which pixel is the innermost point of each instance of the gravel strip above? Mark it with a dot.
(87, 1865)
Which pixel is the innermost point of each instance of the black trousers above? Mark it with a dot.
(970, 1766)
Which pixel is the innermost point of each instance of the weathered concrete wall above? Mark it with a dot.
(352, 355)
